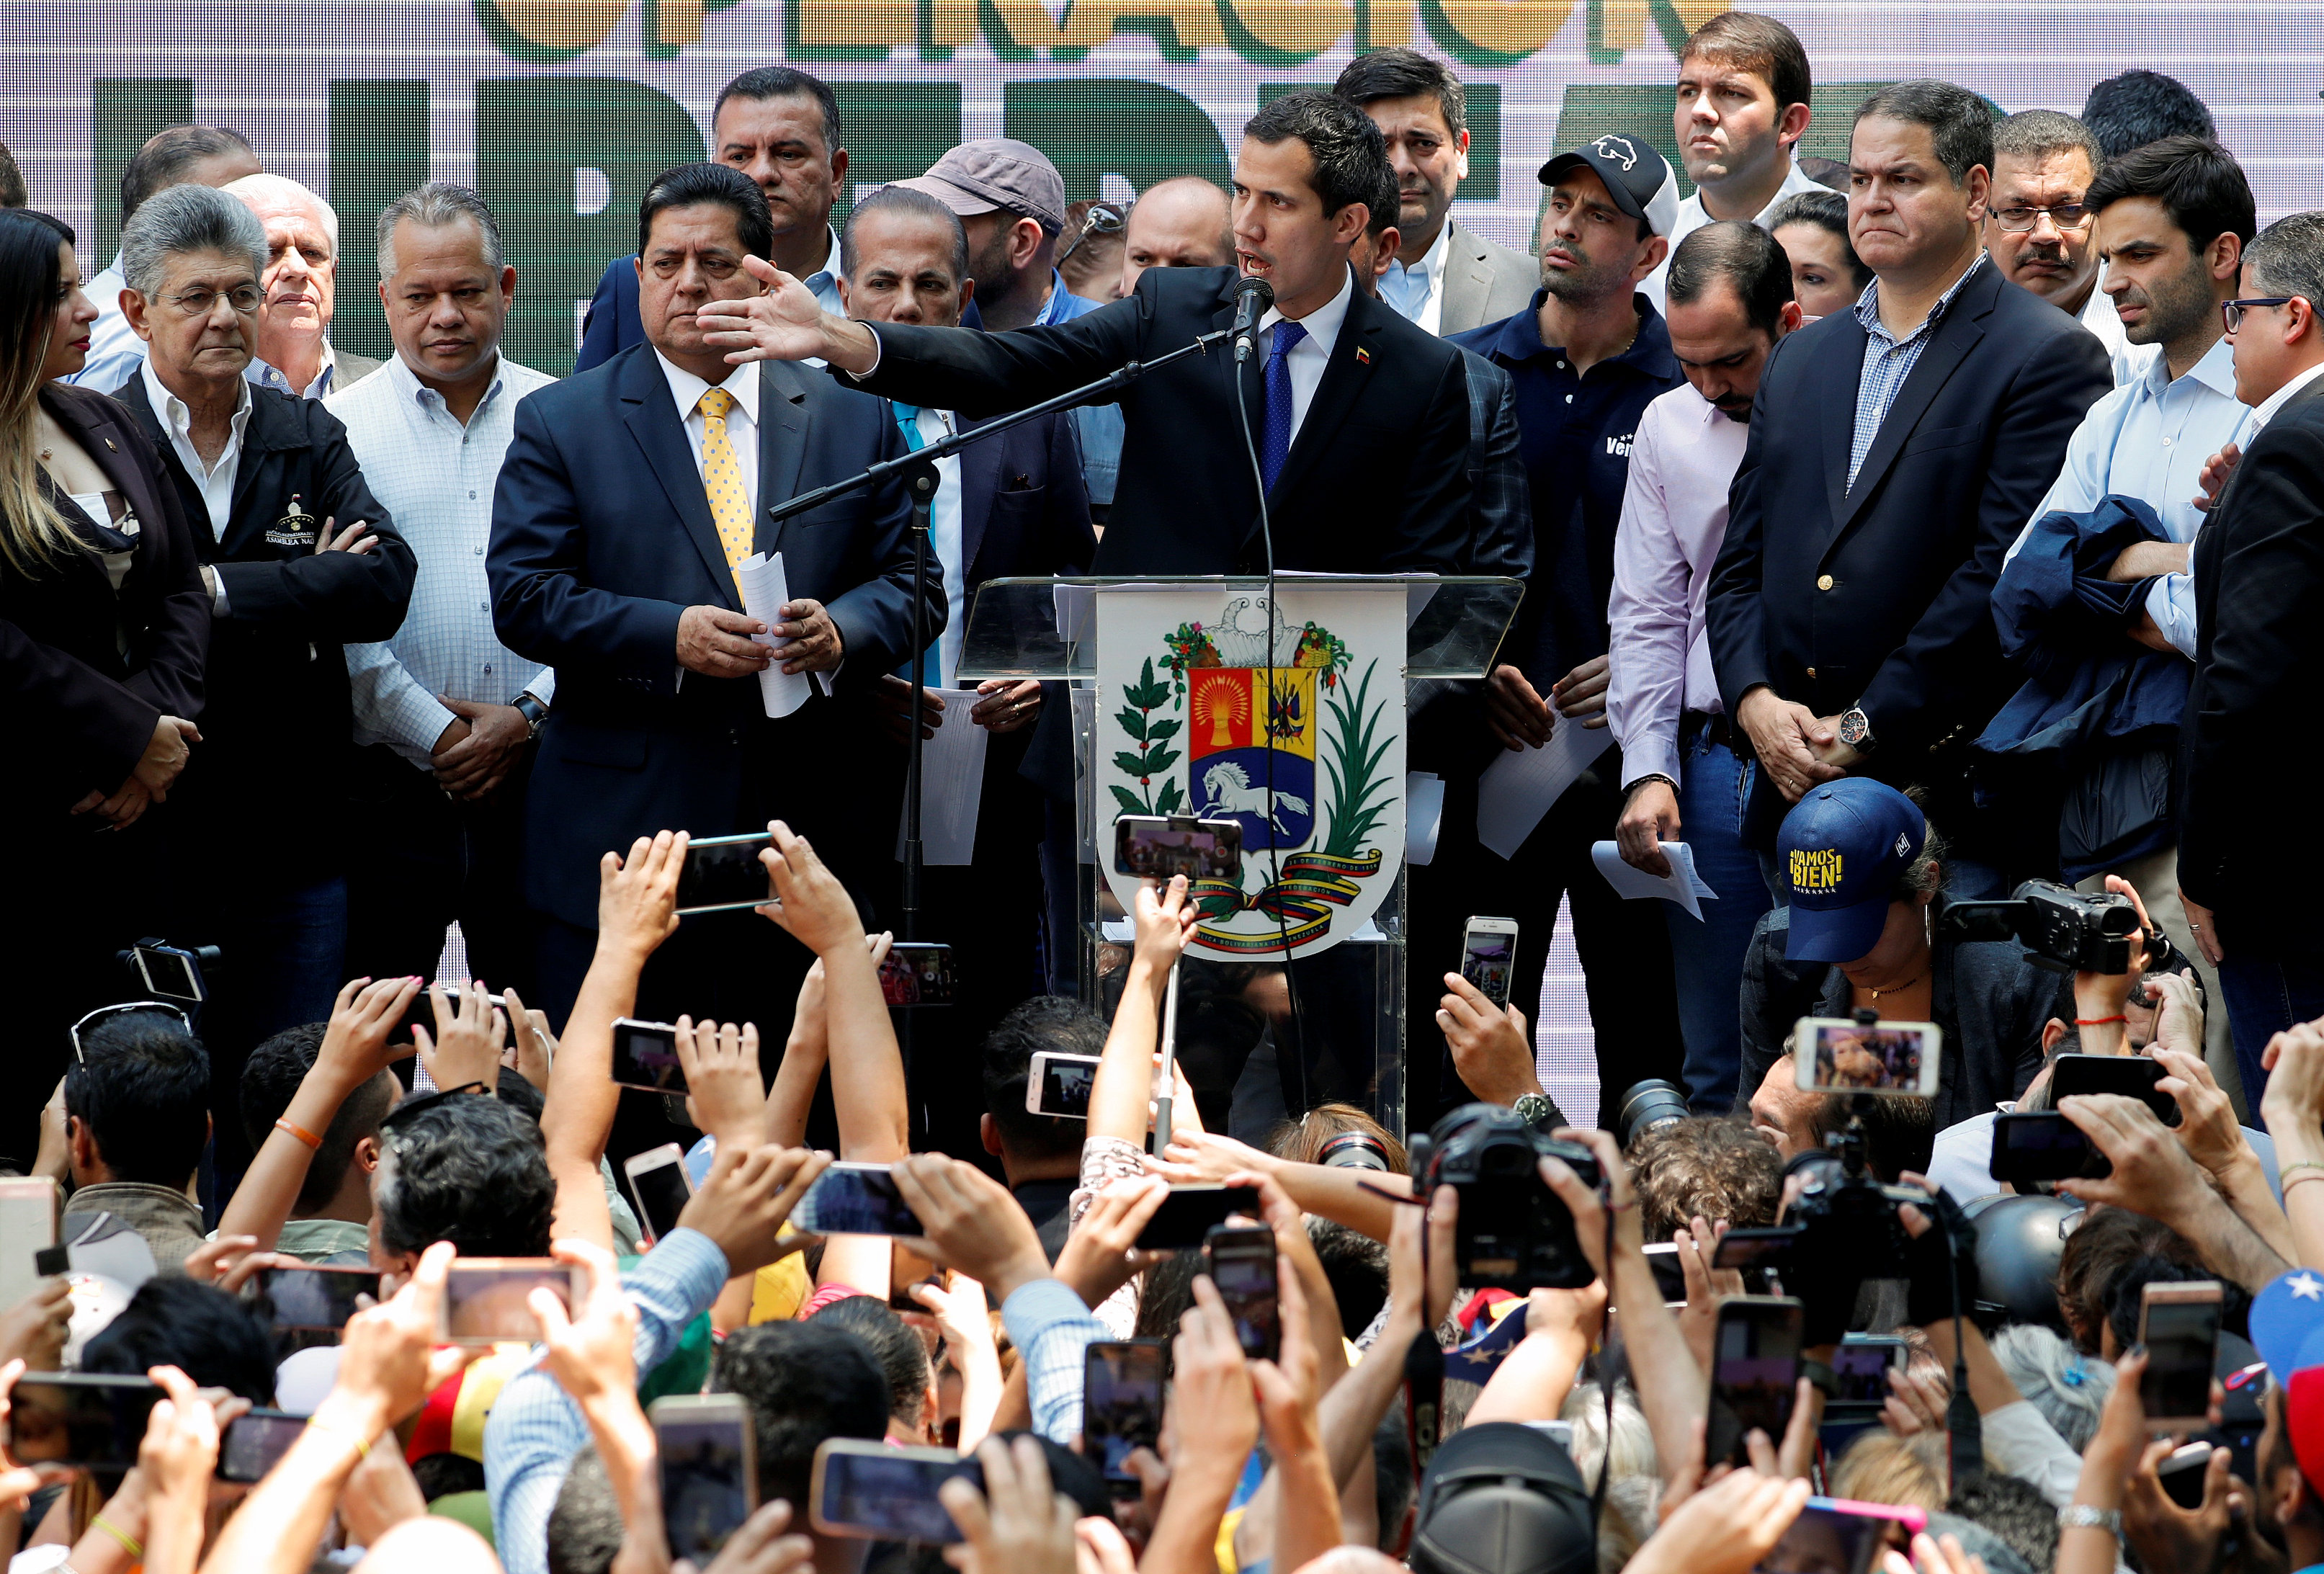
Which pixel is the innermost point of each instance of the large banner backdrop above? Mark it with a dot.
(560, 111)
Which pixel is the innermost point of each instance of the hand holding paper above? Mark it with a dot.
(1681, 885)
(764, 592)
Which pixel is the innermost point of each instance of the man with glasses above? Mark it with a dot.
(2037, 223)
(2257, 667)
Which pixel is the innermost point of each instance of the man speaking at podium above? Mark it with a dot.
(1357, 419)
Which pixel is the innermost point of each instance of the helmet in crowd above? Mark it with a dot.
(1502, 1498)
(2019, 1241)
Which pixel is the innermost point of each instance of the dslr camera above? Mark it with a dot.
(2066, 931)
(1513, 1233)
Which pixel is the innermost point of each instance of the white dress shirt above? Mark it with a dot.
(1692, 216)
(215, 480)
(326, 379)
(436, 477)
(742, 421)
(114, 349)
(2274, 403)
(1310, 355)
(1673, 519)
(2148, 439)
(945, 541)
(1418, 291)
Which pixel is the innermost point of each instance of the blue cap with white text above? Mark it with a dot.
(1840, 853)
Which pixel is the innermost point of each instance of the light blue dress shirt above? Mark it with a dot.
(115, 350)
(1888, 362)
(2148, 439)
(1050, 1327)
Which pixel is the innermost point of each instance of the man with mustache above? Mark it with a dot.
(2037, 223)
(294, 353)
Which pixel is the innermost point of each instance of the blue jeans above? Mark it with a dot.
(1707, 955)
(2265, 995)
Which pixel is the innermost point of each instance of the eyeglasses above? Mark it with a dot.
(2232, 310)
(127, 1007)
(1103, 218)
(244, 298)
(2066, 215)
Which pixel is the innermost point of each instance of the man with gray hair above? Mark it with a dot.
(294, 353)
(199, 156)
(2037, 224)
(297, 557)
(446, 715)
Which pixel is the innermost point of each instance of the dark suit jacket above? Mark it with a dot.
(610, 324)
(1024, 509)
(82, 710)
(1500, 505)
(279, 729)
(602, 537)
(1375, 481)
(2259, 652)
(1881, 594)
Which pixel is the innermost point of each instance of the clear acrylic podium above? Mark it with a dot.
(1249, 1065)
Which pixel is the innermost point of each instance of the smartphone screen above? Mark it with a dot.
(76, 1419)
(709, 1472)
(1122, 1404)
(660, 1182)
(29, 1206)
(2182, 1338)
(1488, 957)
(2132, 1076)
(918, 973)
(316, 1300)
(1860, 1365)
(1832, 1536)
(485, 1298)
(170, 974)
(868, 1490)
(1241, 1264)
(1755, 1371)
(254, 1443)
(2042, 1145)
(1670, 1278)
(1060, 1084)
(856, 1199)
(1158, 846)
(645, 1056)
(1842, 1057)
(1189, 1213)
(724, 872)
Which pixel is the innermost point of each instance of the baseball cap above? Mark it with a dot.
(1501, 1497)
(1841, 851)
(2287, 1327)
(997, 172)
(1638, 177)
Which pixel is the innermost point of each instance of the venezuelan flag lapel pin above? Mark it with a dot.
(1363, 356)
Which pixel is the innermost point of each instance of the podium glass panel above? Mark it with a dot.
(1251, 1065)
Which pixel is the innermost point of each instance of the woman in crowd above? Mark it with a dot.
(1827, 275)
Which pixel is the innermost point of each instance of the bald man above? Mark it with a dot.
(1182, 223)
(302, 264)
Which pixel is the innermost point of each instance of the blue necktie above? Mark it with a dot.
(908, 421)
(1275, 439)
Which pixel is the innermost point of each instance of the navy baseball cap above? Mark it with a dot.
(1637, 178)
(1841, 851)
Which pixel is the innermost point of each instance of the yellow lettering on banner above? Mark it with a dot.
(1622, 24)
(565, 24)
(952, 23)
(1388, 23)
(1196, 22)
(1295, 27)
(1028, 22)
(1506, 27)
(1693, 13)
(853, 25)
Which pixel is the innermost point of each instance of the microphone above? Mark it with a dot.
(1252, 297)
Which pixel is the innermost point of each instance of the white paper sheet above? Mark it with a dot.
(952, 781)
(1075, 607)
(764, 592)
(1423, 814)
(1517, 789)
(1682, 885)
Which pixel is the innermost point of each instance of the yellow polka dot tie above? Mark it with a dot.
(721, 478)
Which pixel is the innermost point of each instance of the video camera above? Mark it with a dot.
(1513, 1233)
(2066, 930)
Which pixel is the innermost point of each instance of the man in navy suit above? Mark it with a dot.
(1896, 451)
(629, 495)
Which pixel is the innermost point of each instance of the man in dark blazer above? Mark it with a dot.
(2259, 650)
(608, 561)
(1373, 474)
(1896, 451)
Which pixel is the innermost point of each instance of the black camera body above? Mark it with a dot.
(2066, 931)
(1513, 1232)
(1847, 1224)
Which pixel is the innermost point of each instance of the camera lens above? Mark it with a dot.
(1354, 1150)
(1646, 1104)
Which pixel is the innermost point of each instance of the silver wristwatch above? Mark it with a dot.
(2082, 1516)
(1856, 728)
(1532, 1107)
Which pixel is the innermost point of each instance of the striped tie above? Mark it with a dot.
(721, 478)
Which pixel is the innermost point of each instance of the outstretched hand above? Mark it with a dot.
(786, 323)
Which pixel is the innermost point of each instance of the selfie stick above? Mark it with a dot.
(1169, 1062)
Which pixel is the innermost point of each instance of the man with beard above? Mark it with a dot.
(1730, 288)
(2037, 225)
(1011, 201)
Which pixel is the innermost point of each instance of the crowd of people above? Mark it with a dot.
(1916, 527)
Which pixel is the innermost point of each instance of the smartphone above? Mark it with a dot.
(918, 973)
(1157, 846)
(1758, 1253)
(170, 972)
(254, 1443)
(308, 1300)
(1836, 1055)
(1059, 1084)
(1755, 1370)
(75, 1418)
(645, 1056)
(1121, 1406)
(1241, 1261)
(2042, 1145)
(863, 1489)
(1189, 1213)
(30, 1208)
(1489, 953)
(856, 1199)
(1670, 1278)
(724, 872)
(2179, 1324)
(662, 1188)
(2132, 1076)
(709, 1470)
(1860, 1367)
(1838, 1535)
(484, 1298)
(2181, 1473)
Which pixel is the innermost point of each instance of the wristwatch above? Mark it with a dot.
(534, 713)
(2082, 1516)
(1531, 1108)
(1856, 728)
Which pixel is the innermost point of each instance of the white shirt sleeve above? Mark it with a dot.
(2020, 1442)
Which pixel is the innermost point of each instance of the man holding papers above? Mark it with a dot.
(627, 529)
